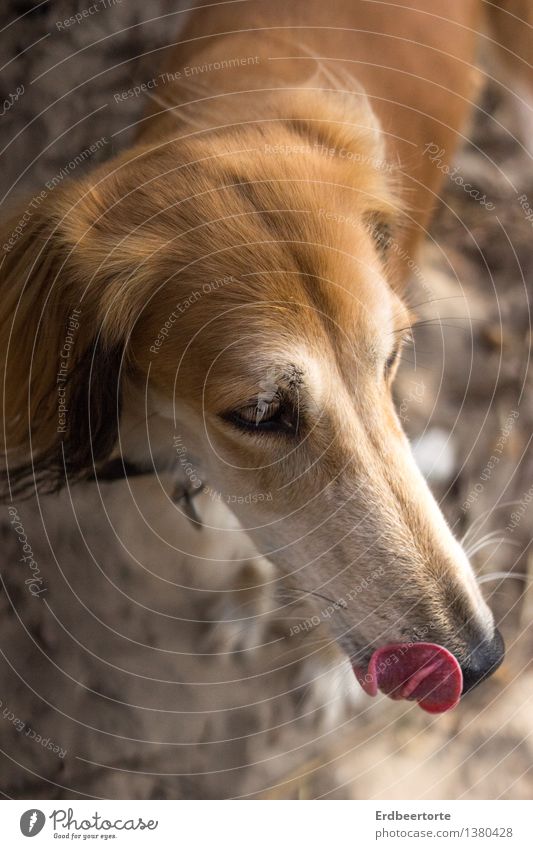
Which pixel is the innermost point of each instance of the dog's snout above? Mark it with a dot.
(484, 658)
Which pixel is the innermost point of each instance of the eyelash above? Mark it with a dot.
(391, 361)
(404, 340)
(281, 420)
(382, 232)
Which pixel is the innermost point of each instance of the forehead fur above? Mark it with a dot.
(277, 207)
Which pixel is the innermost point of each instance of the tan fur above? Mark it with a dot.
(268, 192)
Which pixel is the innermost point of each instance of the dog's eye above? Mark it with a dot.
(381, 231)
(393, 358)
(391, 361)
(261, 415)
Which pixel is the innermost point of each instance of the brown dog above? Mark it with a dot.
(232, 287)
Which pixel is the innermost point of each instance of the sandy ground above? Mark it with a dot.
(116, 685)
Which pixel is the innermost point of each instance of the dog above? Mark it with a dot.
(228, 299)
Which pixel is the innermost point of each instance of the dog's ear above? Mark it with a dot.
(63, 350)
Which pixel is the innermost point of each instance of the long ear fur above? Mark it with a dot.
(60, 374)
(86, 431)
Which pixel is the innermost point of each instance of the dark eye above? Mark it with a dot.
(275, 416)
(393, 358)
(391, 361)
(381, 231)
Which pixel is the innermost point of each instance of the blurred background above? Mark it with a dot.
(129, 677)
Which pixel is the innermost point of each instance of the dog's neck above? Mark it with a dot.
(228, 57)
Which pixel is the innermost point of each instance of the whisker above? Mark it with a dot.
(485, 516)
(417, 365)
(429, 301)
(489, 534)
(301, 594)
(435, 301)
(497, 576)
(492, 536)
(487, 542)
(437, 322)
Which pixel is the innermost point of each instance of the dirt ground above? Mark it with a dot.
(114, 685)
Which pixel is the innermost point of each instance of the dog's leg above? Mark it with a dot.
(511, 30)
(511, 22)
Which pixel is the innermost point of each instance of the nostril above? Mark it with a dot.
(483, 660)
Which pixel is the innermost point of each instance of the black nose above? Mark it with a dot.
(483, 660)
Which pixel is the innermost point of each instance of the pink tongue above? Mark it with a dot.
(424, 672)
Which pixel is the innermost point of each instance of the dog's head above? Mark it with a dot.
(242, 282)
